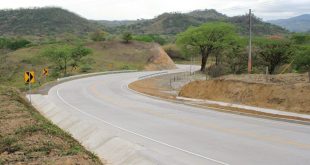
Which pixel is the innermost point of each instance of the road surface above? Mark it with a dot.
(180, 134)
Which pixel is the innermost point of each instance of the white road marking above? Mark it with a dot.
(140, 135)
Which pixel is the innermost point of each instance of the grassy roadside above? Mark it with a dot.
(26, 137)
(106, 56)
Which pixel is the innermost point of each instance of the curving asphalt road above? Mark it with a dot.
(180, 134)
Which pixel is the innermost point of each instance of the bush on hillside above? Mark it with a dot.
(127, 36)
(150, 38)
(98, 35)
(174, 52)
(13, 44)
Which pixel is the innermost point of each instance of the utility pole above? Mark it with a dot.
(250, 43)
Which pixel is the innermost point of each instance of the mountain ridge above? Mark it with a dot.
(174, 22)
(299, 23)
(43, 21)
(54, 21)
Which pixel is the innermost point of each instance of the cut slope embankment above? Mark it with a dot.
(26, 137)
(288, 97)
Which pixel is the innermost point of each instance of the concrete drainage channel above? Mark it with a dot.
(101, 141)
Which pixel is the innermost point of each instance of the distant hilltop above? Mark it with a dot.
(43, 21)
(54, 21)
(295, 24)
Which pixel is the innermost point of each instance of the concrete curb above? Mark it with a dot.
(108, 147)
(152, 75)
(92, 74)
(246, 107)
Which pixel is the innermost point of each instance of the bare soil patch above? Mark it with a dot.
(160, 87)
(288, 92)
(26, 137)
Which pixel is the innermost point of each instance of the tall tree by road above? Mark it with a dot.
(206, 39)
(274, 51)
(302, 59)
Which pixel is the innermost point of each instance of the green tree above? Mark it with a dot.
(60, 55)
(98, 35)
(302, 60)
(18, 43)
(206, 39)
(150, 38)
(77, 54)
(4, 42)
(13, 44)
(301, 38)
(127, 36)
(236, 55)
(274, 52)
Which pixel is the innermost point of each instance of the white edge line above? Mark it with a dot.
(140, 135)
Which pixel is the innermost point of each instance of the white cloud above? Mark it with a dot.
(135, 9)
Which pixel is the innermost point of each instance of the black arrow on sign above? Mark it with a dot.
(30, 76)
(28, 73)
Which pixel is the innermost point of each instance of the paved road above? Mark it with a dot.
(179, 134)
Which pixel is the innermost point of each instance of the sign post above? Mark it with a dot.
(29, 78)
(45, 73)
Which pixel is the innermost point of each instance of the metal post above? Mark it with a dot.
(29, 85)
(250, 43)
(267, 72)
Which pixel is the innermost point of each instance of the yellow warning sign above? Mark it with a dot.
(45, 72)
(29, 77)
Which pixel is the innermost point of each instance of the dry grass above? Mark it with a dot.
(107, 55)
(26, 137)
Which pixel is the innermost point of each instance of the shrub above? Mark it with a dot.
(86, 68)
(216, 70)
(127, 36)
(98, 35)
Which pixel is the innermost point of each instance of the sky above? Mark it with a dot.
(146, 9)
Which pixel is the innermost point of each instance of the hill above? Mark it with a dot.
(207, 14)
(107, 55)
(116, 23)
(52, 21)
(259, 27)
(174, 23)
(43, 21)
(295, 24)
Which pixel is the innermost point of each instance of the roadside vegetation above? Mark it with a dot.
(26, 137)
(66, 44)
(219, 41)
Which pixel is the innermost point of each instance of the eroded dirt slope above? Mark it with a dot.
(294, 97)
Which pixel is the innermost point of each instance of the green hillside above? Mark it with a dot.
(56, 21)
(106, 55)
(208, 14)
(174, 23)
(258, 26)
(43, 21)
